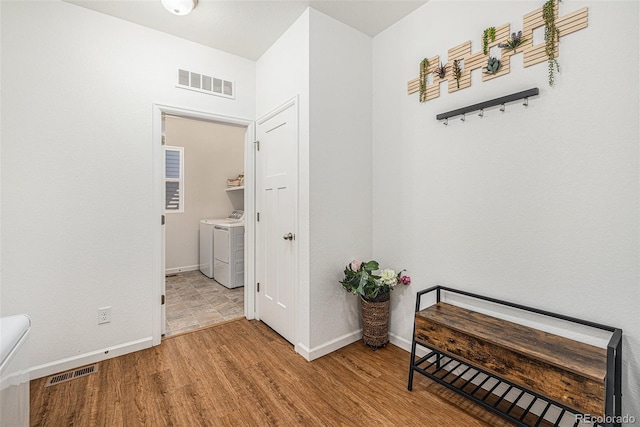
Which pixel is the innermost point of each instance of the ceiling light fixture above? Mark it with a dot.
(179, 7)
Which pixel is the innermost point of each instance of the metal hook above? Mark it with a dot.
(481, 113)
(502, 108)
(526, 102)
(446, 122)
(463, 118)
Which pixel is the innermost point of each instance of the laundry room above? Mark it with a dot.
(204, 194)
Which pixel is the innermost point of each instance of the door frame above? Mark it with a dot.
(158, 263)
(292, 102)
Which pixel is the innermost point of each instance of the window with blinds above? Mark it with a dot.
(174, 179)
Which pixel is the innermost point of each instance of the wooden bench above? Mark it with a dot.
(574, 377)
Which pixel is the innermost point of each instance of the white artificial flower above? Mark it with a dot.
(388, 277)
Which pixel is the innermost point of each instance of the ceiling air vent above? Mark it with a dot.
(206, 84)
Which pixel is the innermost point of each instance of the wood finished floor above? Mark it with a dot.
(241, 373)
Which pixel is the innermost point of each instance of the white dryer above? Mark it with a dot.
(228, 250)
(206, 247)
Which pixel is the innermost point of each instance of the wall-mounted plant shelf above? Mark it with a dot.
(532, 54)
(525, 94)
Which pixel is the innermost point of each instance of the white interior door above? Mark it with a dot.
(276, 205)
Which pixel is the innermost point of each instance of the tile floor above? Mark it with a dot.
(194, 301)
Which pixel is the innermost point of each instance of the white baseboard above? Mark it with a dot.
(88, 358)
(181, 269)
(349, 338)
(405, 344)
(398, 341)
(329, 346)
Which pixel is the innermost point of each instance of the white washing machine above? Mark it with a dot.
(207, 227)
(228, 250)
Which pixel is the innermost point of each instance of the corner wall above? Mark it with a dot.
(535, 205)
(282, 73)
(78, 216)
(340, 171)
(328, 66)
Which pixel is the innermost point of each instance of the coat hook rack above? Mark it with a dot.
(525, 95)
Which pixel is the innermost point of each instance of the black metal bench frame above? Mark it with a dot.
(439, 366)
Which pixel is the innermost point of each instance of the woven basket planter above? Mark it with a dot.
(375, 320)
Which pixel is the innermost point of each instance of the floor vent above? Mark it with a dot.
(71, 375)
(206, 84)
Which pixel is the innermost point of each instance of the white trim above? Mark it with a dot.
(329, 346)
(158, 263)
(249, 224)
(404, 344)
(87, 358)
(398, 341)
(278, 110)
(181, 269)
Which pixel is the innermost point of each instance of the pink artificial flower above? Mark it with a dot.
(355, 265)
(405, 280)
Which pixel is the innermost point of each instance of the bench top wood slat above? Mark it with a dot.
(583, 359)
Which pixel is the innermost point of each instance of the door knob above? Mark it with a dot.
(288, 236)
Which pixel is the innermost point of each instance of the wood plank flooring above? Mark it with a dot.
(241, 373)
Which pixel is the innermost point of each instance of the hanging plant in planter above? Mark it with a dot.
(424, 66)
(513, 42)
(493, 65)
(551, 37)
(441, 70)
(456, 69)
(489, 33)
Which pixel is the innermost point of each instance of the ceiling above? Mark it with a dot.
(248, 27)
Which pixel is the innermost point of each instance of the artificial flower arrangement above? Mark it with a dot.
(359, 279)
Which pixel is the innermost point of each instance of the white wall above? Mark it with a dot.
(328, 65)
(1, 312)
(213, 152)
(78, 215)
(282, 73)
(539, 205)
(340, 171)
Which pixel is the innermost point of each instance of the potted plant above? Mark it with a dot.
(441, 70)
(551, 38)
(424, 67)
(375, 293)
(456, 70)
(513, 42)
(493, 65)
(489, 33)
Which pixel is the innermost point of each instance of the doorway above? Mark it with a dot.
(204, 166)
(244, 198)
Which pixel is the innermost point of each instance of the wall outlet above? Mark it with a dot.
(104, 315)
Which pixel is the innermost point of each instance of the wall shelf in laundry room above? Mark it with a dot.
(241, 187)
